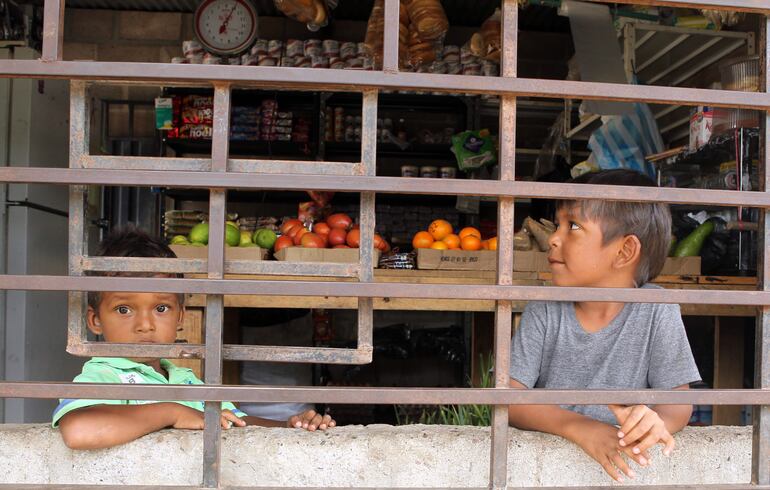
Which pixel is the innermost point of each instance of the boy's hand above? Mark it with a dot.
(311, 421)
(600, 441)
(189, 418)
(641, 428)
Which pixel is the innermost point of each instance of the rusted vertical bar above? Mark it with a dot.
(78, 222)
(498, 467)
(53, 30)
(390, 42)
(367, 216)
(212, 442)
(760, 455)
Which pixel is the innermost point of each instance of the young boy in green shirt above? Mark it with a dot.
(122, 317)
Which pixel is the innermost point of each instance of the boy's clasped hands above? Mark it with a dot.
(189, 418)
(640, 428)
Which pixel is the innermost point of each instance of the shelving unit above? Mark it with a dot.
(670, 56)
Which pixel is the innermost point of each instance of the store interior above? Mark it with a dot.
(432, 135)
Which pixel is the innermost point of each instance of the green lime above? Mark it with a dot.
(180, 240)
(245, 238)
(200, 233)
(197, 244)
(249, 244)
(232, 235)
(265, 238)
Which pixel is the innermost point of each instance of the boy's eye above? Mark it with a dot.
(162, 308)
(123, 310)
(574, 226)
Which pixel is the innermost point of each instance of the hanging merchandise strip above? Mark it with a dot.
(220, 173)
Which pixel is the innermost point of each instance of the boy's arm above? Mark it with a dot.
(676, 417)
(102, 426)
(597, 439)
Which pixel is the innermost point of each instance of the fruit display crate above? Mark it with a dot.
(231, 253)
(334, 255)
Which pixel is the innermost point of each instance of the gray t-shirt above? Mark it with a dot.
(644, 346)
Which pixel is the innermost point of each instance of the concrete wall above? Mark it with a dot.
(355, 456)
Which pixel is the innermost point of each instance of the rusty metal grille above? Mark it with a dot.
(220, 173)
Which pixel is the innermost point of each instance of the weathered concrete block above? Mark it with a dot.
(89, 25)
(355, 456)
(149, 26)
(80, 51)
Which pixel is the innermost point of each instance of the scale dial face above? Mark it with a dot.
(226, 26)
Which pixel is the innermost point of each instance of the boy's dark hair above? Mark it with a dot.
(130, 241)
(650, 222)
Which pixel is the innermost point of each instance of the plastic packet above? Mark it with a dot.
(474, 149)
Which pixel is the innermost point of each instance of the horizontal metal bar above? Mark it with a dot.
(320, 355)
(294, 167)
(371, 396)
(382, 290)
(199, 266)
(721, 486)
(358, 80)
(399, 185)
(110, 162)
(107, 349)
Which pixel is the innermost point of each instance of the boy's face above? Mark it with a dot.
(136, 317)
(577, 256)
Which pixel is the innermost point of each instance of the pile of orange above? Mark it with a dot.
(441, 236)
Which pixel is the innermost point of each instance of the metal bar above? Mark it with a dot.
(234, 352)
(498, 464)
(316, 355)
(397, 185)
(294, 167)
(383, 290)
(111, 162)
(212, 440)
(733, 486)
(199, 266)
(391, 37)
(53, 30)
(377, 396)
(357, 80)
(760, 453)
(638, 44)
(78, 216)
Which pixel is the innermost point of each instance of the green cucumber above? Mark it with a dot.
(690, 246)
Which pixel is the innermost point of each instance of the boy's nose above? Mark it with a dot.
(554, 240)
(144, 323)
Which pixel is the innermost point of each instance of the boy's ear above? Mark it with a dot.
(93, 322)
(630, 252)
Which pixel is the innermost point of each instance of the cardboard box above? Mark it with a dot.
(231, 253)
(335, 255)
(530, 261)
(681, 266)
(456, 260)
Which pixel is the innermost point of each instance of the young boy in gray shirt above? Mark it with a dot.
(605, 345)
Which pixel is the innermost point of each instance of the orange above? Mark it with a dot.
(439, 245)
(492, 243)
(470, 242)
(451, 240)
(469, 230)
(455, 248)
(485, 244)
(422, 239)
(439, 229)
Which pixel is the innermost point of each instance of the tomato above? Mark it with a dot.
(289, 223)
(321, 228)
(337, 236)
(283, 242)
(312, 240)
(354, 238)
(302, 231)
(292, 231)
(339, 220)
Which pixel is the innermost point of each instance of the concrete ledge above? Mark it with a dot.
(355, 456)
